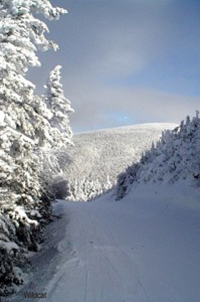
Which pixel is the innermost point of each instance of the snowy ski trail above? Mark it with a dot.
(139, 249)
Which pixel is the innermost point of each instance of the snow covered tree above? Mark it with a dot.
(21, 35)
(59, 105)
(54, 133)
(87, 189)
(175, 157)
(24, 128)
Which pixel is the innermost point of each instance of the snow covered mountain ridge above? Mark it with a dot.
(98, 157)
(175, 157)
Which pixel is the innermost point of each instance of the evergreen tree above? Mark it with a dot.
(24, 127)
(59, 105)
(175, 157)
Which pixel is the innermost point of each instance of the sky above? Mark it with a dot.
(126, 62)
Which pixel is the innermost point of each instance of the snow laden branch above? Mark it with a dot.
(26, 129)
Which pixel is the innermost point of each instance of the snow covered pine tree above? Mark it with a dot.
(59, 108)
(59, 105)
(25, 126)
(175, 157)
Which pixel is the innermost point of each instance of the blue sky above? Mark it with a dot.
(127, 61)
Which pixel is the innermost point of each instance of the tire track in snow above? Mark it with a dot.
(130, 262)
(124, 257)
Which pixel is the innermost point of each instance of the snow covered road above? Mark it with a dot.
(139, 249)
(102, 269)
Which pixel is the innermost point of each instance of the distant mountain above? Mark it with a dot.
(175, 157)
(99, 156)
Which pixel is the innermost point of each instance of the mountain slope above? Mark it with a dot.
(174, 158)
(99, 156)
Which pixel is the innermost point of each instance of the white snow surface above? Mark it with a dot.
(143, 248)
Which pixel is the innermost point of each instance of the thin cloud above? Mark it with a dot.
(127, 43)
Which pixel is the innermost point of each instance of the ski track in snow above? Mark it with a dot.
(139, 249)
